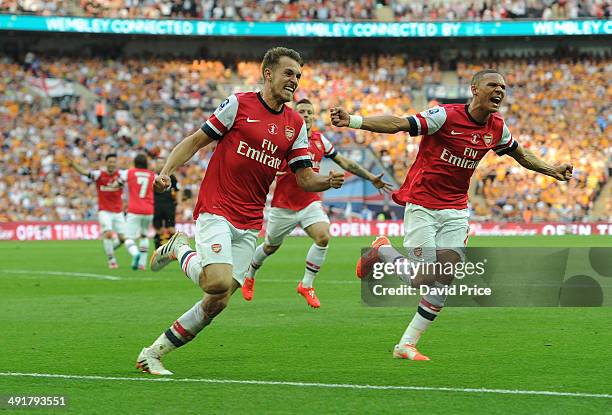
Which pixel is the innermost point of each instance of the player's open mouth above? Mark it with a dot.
(496, 100)
(290, 89)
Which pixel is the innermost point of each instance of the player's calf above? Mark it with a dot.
(181, 332)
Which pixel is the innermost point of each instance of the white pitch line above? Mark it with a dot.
(62, 273)
(314, 385)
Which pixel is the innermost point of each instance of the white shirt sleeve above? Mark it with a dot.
(507, 143)
(222, 120)
(428, 121)
(94, 175)
(328, 147)
(298, 154)
(123, 176)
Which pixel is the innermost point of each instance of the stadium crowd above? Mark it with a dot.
(317, 10)
(556, 108)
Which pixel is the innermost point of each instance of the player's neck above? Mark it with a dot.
(271, 101)
(477, 113)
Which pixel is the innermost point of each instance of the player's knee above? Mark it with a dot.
(270, 249)
(215, 282)
(108, 234)
(322, 239)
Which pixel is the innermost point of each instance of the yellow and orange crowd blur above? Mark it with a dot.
(558, 108)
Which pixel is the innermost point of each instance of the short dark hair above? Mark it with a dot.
(110, 155)
(480, 74)
(303, 101)
(140, 161)
(273, 56)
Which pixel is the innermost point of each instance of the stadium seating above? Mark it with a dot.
(338, 10)
(133, 104)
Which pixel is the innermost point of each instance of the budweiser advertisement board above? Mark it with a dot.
(58, 231)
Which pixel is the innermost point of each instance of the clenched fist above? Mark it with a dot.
(162, 183)
(336, 180)
(563, 172)
(339, 117)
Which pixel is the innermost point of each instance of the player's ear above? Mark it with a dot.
(474, 89)
(267, 74)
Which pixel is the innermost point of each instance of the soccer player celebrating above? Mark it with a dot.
(255, 133)
(164, 217)
(139, 181)
(292, 206)
(455, 138)
(110, 214)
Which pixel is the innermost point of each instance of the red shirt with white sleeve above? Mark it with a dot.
(253, 143)
(453, 144)
(108, 189)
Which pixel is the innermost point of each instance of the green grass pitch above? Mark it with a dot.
(59, 317)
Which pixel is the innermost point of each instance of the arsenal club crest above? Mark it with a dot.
(216, 248)
(273, 128)
(488, 138)
(289, 132)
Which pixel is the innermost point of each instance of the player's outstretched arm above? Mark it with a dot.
(388, 124)
(181, 154)
(310, 181)
(79, 169)
(358, 170)
(527, 159)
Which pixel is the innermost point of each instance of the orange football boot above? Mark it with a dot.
(248, 288)
(408, 351)
(368, 259)
(309, 295)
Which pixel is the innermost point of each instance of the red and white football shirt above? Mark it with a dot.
(453, 144)
(254, 141)
(109, 193)
(140, 190)
(288, 195)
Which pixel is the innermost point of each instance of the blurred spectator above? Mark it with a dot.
(319, 10)
(386, 214)
(366, 213)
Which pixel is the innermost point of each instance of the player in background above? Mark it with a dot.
(139, 182)
(455, 138)
(164, 216)
(292, 206)
(110, 209)
(255, 133)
